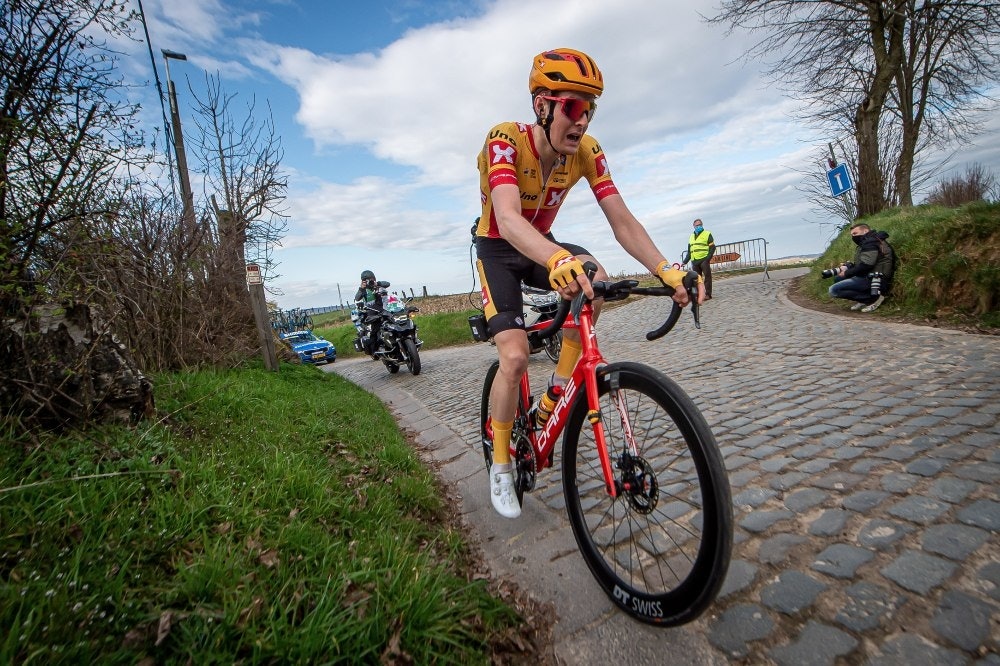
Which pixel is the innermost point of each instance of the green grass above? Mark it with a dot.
(948, 264)
(270, 517)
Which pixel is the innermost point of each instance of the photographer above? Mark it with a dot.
(369, 294)
(867, 279)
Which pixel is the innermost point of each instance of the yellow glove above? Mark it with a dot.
(563, 269)
(670, 276)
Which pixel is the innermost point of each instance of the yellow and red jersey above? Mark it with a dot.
(510, 157)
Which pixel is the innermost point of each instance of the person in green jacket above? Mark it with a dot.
(701, 249)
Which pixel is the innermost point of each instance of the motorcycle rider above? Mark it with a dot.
(368, 295)
(526, 171)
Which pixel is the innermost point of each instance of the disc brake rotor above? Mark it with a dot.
(638, 484)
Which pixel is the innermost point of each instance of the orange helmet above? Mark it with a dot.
(565, 69)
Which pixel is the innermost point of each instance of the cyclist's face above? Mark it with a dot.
(570, 119)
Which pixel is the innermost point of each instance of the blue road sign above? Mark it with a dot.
(840, 180)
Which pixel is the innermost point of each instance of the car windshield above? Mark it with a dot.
(299, 338)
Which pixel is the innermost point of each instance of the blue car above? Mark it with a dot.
(310, 348)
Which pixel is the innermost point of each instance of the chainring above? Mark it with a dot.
(525, 464)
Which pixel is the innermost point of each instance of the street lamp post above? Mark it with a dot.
(187, 198)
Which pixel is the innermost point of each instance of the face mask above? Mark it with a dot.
(698, 230)
(857, 239)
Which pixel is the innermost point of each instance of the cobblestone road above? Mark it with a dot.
(864, 459)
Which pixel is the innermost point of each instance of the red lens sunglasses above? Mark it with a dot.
(573, 107)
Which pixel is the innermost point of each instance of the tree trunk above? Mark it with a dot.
(870, 186)
(66, 368)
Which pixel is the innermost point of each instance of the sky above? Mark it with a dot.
(381, 107)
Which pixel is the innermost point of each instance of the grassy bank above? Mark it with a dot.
(948, 269)
(268, 517)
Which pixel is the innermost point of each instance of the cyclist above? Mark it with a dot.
(525, 171)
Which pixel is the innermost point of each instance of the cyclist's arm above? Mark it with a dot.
(632, 236)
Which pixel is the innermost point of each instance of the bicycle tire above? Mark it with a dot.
(661, 563)
(519, 435)
(553, 346)
(412, 357)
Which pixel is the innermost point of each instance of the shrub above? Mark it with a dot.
(977, 184)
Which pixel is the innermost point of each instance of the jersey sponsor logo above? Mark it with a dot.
(605, 189)
(602, 166)
(500, 134)
(528, 196)
(555, 197)
(501, 153)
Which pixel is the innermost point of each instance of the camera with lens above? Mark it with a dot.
(831, 272)
(876, 289)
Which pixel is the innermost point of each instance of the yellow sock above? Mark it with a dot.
(501, 442)
(568, 357)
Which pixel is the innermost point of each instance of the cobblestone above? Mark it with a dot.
(918, 572)
(868, 606)
(884, 497)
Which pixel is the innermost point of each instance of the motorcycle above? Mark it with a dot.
(396, 342)
(542, 306)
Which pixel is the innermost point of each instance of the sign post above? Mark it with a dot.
(255, 283)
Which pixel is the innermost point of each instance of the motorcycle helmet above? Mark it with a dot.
(367, 275)
(565, 70)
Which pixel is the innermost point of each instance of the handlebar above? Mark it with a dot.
(615, 291)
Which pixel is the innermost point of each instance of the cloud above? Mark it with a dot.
(387, 137)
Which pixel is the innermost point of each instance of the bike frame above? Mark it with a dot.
(585, 374)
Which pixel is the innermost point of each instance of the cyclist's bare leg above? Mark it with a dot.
(512, 347)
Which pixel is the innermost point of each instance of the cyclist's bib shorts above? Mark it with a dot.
(501, 270)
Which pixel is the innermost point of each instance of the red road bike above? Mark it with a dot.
(644, 483)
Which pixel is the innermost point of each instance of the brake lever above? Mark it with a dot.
(577, 306)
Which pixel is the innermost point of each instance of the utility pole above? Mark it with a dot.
(187, 198)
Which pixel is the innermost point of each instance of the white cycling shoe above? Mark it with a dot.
(502, 491)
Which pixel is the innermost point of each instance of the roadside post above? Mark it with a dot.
(255, 283)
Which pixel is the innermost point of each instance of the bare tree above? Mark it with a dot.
(914, 66)
(952, 52)
(65, 131)
(241, 159)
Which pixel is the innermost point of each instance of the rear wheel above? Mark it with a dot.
(412, 357)
(552, 346)
(660, 549)
(523, 455)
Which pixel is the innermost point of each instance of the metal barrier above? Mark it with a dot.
(740, 255)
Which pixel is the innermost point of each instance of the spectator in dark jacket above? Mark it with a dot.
(867, 279)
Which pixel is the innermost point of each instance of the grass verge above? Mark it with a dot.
(271, 517)
(948, 270)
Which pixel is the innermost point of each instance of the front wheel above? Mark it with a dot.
(660, 549)
(412, 357)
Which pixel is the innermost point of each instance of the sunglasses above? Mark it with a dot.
(574, 108)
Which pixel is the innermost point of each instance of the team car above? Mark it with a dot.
(309, 347)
